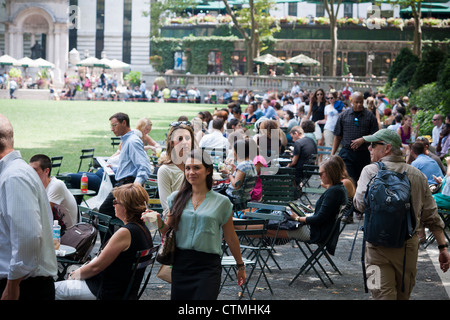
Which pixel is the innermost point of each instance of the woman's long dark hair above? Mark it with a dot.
(185, 191)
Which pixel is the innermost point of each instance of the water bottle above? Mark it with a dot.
(84, 183)
(56, 234)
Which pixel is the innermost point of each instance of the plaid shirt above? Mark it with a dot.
(353, 125)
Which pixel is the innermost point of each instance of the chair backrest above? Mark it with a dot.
(244, 193)
(151, 186)
(143, 259)
(216, 152)
(103, 221)
(87, 154)
(115, 141)
(279, 188)
(56, 163)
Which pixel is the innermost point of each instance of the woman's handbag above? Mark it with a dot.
(166, 251)
(165, 273)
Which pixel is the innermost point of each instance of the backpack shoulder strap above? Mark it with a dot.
(381, 165)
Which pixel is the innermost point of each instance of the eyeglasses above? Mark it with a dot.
(177, 123)
(115, 202)
(435, 119)
(374, 144)
(113, 125)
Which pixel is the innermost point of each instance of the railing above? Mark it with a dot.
(264, 83)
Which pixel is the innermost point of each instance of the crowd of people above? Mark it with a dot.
(253, 132)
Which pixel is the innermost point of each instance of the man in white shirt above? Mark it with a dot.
(438, 125)
(58, 195)
(215, 139)
(27, 254)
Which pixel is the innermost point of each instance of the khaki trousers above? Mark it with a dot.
(384, 267)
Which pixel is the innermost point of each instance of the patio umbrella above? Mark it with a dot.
(91, 62)
(6, 60)
(42, 63)
(303, 61)
(117, 64)
(268, 59)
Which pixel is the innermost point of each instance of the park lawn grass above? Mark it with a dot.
(63, 128)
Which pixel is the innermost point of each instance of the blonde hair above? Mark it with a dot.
(143, 123)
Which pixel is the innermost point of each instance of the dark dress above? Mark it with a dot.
(113, 281)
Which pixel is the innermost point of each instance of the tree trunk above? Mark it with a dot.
(417, 47)
(334, 45)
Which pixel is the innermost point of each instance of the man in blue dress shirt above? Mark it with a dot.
(268, 111)
(134, 163)
(424, 163)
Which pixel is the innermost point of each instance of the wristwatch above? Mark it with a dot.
(240, 266)
(442, 246)
(297, 219)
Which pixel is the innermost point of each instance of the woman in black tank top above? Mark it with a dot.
(107, 276)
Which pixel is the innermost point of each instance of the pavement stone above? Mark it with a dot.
(348, 286)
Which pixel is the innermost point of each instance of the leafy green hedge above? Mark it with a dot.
(426, 81)
(197, 50)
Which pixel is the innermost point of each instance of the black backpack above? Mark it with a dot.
(81, 236)
(389, 218)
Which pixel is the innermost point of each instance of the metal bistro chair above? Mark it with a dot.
(445, 216)
(279, 188)
(229, 263)
(115, 141)
(244, 194)
(145, 258)
(56, 163)
(87, 154)
(323, 249)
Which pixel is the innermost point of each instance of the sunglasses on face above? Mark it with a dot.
(374, 144)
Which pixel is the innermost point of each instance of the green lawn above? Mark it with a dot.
(65, 127)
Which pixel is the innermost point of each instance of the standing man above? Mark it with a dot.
(134, 164)
(59, 196)
(351, 126)
(389, 262)
(27, 254)
(438, 125)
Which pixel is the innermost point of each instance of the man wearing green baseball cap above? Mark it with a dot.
(385, 146)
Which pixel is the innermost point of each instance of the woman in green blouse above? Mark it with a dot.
(201, 218)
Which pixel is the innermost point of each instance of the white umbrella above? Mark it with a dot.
(268, 59)
(42, 63)
(303, 60)
(91, 62)
(117, 64)
(26, 63)
(7, 60)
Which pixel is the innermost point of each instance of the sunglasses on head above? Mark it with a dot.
(178, 123)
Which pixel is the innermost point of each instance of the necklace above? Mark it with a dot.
(195, 203)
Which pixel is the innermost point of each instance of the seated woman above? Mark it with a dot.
(144, 125)
(245, 168)
(107, 276)
(317, 227)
